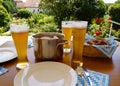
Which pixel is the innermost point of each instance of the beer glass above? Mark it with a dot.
(79, 32)
(19, 34)
(67, 27)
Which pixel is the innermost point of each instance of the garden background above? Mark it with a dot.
(96, 12)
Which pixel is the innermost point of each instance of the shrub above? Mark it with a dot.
(117, 2)
(9, 6)
(114, 12)
(100, 27)
(24, 13)
(42, 23)
(1, 30)
(4, 17)
(116, 33)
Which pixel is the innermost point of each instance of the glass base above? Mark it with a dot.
(22, 65)
(66, 50)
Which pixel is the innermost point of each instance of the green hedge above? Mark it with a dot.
(24, 13)
(42, 23)
(89, 9)
(114, 12)
(4, 17)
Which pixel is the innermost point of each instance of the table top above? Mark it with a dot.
(103, 65)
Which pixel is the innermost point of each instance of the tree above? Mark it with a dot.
(117, 2)
(4, 17)
(24, 13)
(89, 9)
(114, 12)
(73, 9)
(61, 9)
(9, 5)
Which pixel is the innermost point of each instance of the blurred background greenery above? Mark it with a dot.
(96, 12)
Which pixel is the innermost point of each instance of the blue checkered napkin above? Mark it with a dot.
(97, 78)
(30, 43)
(107, 50)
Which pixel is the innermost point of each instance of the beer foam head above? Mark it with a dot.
(19, 27)
(67, 24)
(80, 24)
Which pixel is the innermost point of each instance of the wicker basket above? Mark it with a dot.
(90, 51)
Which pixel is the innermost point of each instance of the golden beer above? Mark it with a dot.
(67, 31)
(20, 37)
(78, 42)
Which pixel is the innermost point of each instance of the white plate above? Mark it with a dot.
(46, 74)
(7, 54)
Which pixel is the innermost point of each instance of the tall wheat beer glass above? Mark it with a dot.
(20, 37)
(79, 32)
(67, 27)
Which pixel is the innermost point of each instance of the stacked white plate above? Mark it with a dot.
(7, 54)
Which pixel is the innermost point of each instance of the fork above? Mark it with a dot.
(80, 72)
(87, 76)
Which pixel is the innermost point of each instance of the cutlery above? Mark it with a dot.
(87, 75)
(80, 72)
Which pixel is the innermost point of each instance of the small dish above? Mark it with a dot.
(46, 74)
(7, 54)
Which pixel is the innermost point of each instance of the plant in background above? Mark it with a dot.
(42, 23)
(1, 30)
(73, 9)
(24, 13)
(117, 2)
(116, 33)
(17, 20)
(89, 9)
(114, 12)
(100, 27)
(10, 6)
(60, 9)
(4, 18)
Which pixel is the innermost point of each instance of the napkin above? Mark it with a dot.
(97, 78)
(30, 44)
(108, 50)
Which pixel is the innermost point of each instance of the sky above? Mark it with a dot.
(109, 1)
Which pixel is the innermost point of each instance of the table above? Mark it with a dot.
(104, 65)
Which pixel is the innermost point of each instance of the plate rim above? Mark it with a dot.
(8, 49)
(19, 74)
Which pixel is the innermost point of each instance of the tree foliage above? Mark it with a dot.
(73, 9)
(114, 12)
(61, 9)
(9, 5)
(117, 2)
(24, 13)
(4, 17)
(89, 9)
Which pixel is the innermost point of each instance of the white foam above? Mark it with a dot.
(19, 27)
(80, 24)
(67, 24)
